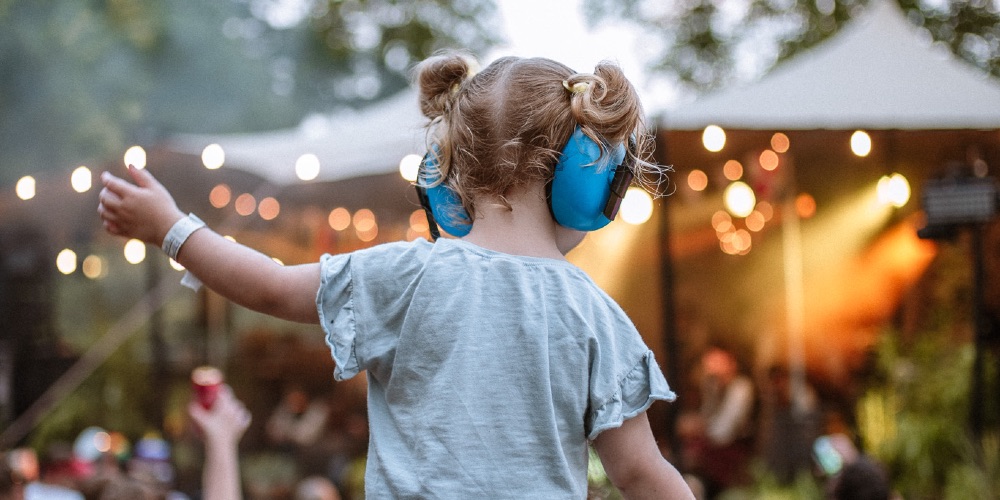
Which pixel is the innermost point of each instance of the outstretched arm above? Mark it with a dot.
(222, 427)
(634, 463)
(146, 211)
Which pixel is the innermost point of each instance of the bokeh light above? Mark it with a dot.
(713, 138)
(213, 156)
(768, 160)
(733, 170)
(409, 167)
(364, 220)
(25, 187)
(66, 261)
(95, 267)
(135, 251)
(220, 196)
(268, 208)
(81, 179)
(697, 180)
(637, 206)
(739, 199)
(245, 204)
(176, 266)
(135, 156)
(307, 167)
(894, 190)
(722, 221)
(861, 143)
(339, 219)
(418, 221)
(780, 143)
(805, 205)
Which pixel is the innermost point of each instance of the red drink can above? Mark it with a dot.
(206, 380)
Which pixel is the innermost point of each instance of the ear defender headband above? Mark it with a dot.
(585, 194)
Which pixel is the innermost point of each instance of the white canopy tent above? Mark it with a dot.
(348, 144)
(879, 72)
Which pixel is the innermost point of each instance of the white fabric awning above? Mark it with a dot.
(348, 144)
(879, 72)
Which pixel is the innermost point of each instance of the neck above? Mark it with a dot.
(526, 228)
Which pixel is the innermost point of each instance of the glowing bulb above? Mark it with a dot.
(733, 170)
(364, 220)
(894, 190)
(25, 187)
(268, 208)
(66, 261)
(307, 167)
(697, 180)
(135, 251)
(93, 267)
(714, 138)
(81, 180)
(409, 166)
(339, 219)
(861, 143)
(637, 206)
(135, 156)
(739, 199)
(213, 156)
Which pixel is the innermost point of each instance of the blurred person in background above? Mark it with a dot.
(222, 426)
(719, 436)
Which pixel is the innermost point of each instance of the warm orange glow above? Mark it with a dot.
(269, 208)
(755, 221)
(94, 267)
(766, 210)
(697, 180)
(339, 219)
(220, 196)
(722, 222)
(768, 160)
(368, 234)
(418, 221)
(805, 205)
(245, 204)
(780, 143)
(364, 221)
(733, 170)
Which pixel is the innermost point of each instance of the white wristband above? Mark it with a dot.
(179, 233)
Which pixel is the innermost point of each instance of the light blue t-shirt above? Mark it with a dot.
(487, 372)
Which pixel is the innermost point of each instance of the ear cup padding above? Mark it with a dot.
(581, 185)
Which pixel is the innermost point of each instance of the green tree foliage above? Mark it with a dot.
(83, 79)
(708, 44)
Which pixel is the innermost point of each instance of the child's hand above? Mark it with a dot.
(144, 210)
(223, 424)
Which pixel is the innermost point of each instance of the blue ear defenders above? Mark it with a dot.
(585, 193)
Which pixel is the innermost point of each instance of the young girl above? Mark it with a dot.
(492, 362)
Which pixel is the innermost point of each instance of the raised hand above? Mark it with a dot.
(144, 210)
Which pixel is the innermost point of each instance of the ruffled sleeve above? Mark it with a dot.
(335, 304)
(637, 390)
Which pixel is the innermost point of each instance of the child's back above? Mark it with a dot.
(486, 371)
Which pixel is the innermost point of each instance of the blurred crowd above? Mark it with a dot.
(309, 447)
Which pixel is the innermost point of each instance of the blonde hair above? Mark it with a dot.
(504, 127)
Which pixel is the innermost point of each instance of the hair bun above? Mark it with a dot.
(438, 78)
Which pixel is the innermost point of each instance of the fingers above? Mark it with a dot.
(142, 177)
(116, 185)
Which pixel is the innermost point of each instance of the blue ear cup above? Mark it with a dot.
(586, 189)
(585, 192)
(442, 205)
